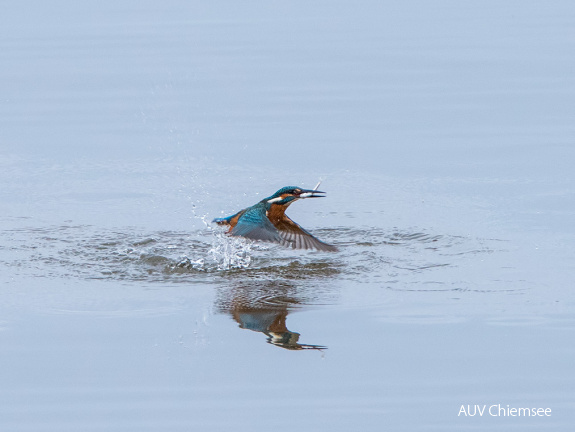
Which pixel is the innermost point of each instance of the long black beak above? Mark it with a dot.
(309, 193)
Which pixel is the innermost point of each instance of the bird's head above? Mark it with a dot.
(286, 195)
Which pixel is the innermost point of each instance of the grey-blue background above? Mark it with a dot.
(444, 136)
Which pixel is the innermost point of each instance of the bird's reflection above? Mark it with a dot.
(263, 307)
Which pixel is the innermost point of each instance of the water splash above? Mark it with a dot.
(226, 252)
(230, 252)
(186, 264)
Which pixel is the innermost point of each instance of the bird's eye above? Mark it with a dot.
(296, 191)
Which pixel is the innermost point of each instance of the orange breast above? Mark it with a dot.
(276, 213)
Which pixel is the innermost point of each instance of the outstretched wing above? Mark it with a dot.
(296, 237)
(254, 224)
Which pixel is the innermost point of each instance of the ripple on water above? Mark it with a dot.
(390, 258)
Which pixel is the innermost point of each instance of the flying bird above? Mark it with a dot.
(267, 221)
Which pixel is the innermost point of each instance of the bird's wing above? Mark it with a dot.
(255, 225)
(296, 237)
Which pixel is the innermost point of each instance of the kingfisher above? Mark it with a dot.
(267, 221)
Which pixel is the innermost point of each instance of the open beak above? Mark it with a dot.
(308, 193)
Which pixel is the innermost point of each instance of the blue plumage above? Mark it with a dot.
(266, 221)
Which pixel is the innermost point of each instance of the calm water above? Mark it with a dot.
(444, 137)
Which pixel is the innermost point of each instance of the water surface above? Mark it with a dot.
(443, 135)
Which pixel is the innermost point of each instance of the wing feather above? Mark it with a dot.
(255, 225)
(296, 237)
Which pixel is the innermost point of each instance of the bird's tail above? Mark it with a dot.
(222, 221)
